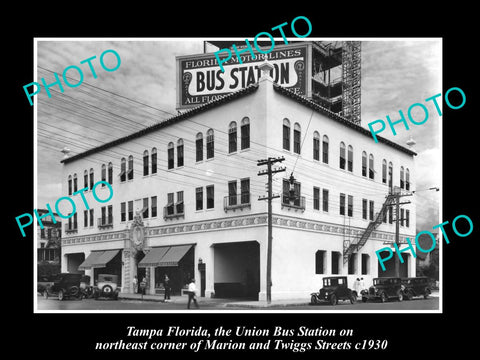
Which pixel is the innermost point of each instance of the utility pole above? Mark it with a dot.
(398, 195)
(269, 197)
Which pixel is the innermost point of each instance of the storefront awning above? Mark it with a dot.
(164, 256)
(98, 259)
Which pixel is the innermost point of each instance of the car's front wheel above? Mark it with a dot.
(353, 298)
(383, 297)
(400, 295)
(61, 295)
(313, 300)
(333, 299)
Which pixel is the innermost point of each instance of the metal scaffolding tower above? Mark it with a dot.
(351, 75)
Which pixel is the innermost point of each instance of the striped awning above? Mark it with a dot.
(98, 259)
(153, 257)
(164, 256)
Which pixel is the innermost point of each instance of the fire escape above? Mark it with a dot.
(349, 247)
(351, 67)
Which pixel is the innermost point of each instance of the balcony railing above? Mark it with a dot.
(105, 222)
(298, 203)
(174, 211)
(234, 202)
(70, 228)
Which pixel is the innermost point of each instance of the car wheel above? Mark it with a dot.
(400, 295)
(364, 299)
(74, 290)
(107, 290)
(45, 294)
(407, 295)
(383, 297)
(313, 300)
(61, 295)
(427, 292)
(353, 298)
(333, 299)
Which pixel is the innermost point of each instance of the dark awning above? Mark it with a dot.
(153, 257)
(164, 256)
(98, 259)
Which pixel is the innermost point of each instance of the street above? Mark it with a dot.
(180, 303)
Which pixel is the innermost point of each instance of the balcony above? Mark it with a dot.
(105, 223)
(297, 204)
(174, 211)
(236, 202)
(71, 228)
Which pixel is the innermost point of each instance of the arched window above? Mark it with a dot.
(245, 133)
(407, 180)
(154, 160)
(342, 155)
(75, 183)
(390, 175)
(384, 171)
(91, 179)
(171, 155)
(130, 168)
(402, 178)
(123, 170)
(232, 137)
(325, 149)
(316, 145)
(286, 134)
(104, 174)
(85, 179)
(364, 163)
(350, 158)
(69, 184)
(210, 144)
(180, 152)
(199, 147)
(371, 172)
(297, 138)
(110, 173)
(145, 163)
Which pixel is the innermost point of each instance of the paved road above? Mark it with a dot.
(221, 304)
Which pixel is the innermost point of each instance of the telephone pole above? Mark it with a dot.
(269, 171)
(397, 194)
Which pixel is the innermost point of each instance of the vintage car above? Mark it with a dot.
(65, 286)
(107, 287)
(334, 288)
(416, 286)
(43, 282)
(384, 289)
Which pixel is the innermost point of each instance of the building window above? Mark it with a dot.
(350, 205)
(75, 224)
(199, 198)
(371, 210)
(316, 198)
(342, 204)
(145, 208)
(180, 152)
(320, 262)
(402, 216)
(179, 204)
(390, 215)
(336, 262)
(364, 163)
(130, 168)
(85, 179)
(232, 137)
(130, 210)
(110, 173)
(365, 264)
(210, 144)
(123, 169)
(69, 184)
(232, 193)
(316, 146)
(153, 202)
(407, 218)
(384, 171)
(91, 179)
(402, 178)
(170, 208)
(245, 133)
(75, 184)
(154, 160)
(286, 134)
(325, 149)
(390, 175)
(110, 214)
(297, 138)
(171, 156)
(350, 158)
(245, 191)
(91, 217)
(352, 264)
(364, 209)
(325, 200)
(407, 179)
(123, 211)
(298, 201)
(199, 147)
(85, 218)
(103, 218)
(104, 174)
(145, 163)
(342, 156)
(210, 197)
(371, 172)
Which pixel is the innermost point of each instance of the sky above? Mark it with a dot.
(395, 74)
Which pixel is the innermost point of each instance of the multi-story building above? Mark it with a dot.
(48, 244)
(185, 199)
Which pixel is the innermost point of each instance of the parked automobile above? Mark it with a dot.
(85, 288)
(65, 286)
(107, 287)
(334, 288)
(416, 286)
(43, 282)
(384, 288)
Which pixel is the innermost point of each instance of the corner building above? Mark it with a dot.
(185, 199)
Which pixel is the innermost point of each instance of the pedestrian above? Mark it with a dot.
(192, 289)
(135, 284)
(357, 287)
(143, 285)
(362, 284)
(166, 285)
